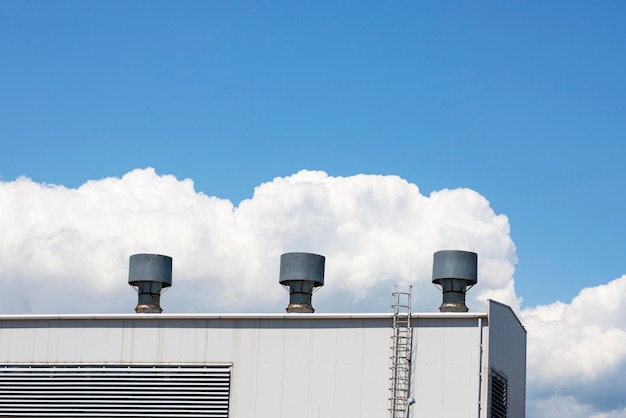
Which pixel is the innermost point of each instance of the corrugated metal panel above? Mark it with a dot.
(114, 391)
(507, 355)
(446, 362)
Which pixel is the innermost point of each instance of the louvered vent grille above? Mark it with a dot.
(114, 391)
(499, 388)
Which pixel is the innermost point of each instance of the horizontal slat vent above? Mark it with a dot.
(114, 391)
(499, 394)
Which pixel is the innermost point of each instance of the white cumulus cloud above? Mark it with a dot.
(558, 406)
(66, 250)
(578, 350)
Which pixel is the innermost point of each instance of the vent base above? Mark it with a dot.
(148, 308)
(300, 308)
(453, 307)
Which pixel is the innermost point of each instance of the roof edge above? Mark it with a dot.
(267, 316)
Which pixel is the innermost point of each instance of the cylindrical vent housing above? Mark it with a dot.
(300, 274)
(455, 272)
(149, 274)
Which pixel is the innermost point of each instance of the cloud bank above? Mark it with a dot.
(66, 251)
(577, 354)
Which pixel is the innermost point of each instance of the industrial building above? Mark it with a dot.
(448, 364)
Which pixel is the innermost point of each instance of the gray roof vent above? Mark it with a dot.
(301, 274)
(149, 274)
(455, 272)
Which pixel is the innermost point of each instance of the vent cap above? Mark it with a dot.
(454, 272)
(149, 274)
(301, 274)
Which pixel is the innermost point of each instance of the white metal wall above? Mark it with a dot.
(311, 368)
(283, 366)
(447, 360)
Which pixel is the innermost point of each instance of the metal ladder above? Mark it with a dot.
(401, 350)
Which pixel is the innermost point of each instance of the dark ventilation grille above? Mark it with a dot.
(114, 391)
(498, 394)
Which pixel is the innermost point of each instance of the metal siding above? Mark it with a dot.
(350, 373)
(283, 367)
(244, 355)
(312, 369)
(446, 362)
(507, 354)
(376, 373)
(323, 372)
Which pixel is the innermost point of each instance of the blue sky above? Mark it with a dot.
(523, 102)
